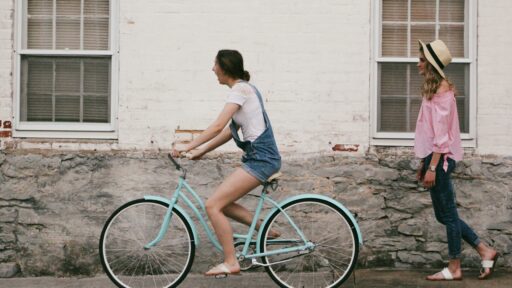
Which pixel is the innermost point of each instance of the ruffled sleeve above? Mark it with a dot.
(441, 118)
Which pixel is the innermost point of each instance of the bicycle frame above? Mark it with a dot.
(180, 195)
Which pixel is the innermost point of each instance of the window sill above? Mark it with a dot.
(467, 142)
(65, 134)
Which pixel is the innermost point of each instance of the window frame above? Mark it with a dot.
(66, 129)
(407, 138)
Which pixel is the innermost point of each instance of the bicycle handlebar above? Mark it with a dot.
(178, 166)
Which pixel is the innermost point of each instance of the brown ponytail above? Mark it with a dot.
(232, 63)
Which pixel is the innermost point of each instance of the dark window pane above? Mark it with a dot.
(65, 89)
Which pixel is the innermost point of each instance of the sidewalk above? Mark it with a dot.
(364, 278)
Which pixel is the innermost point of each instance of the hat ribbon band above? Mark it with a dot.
(429, 48)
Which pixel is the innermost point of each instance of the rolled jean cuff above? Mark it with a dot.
(451, 257)
(476, 242)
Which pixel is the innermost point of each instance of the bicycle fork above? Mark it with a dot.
(165, 225)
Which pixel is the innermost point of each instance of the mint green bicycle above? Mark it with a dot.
(151, 242)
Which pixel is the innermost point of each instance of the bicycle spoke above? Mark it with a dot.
(349, 256)
(134, 270)
(162, 266)
(335, 260)
(123, 257)
(152, 274)
(329, 237)
(124, 236)
(171, 259)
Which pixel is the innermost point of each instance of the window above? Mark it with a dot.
(401, 23)
(65, 62)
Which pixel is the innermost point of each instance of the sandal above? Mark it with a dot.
(447, 276)
(221, 271)
(488, 264)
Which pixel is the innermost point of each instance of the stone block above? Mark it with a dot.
(7, 256)
(393, 243)
(28, 216)
(412, 227)
(395, 216)
(419, 259)
(8, 270)
(6, 237)
(503, 243)
(8, 214)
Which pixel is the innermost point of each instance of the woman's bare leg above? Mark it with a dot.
(240, 214)
(233, 188)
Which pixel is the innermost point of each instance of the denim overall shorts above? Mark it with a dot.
(261, 158)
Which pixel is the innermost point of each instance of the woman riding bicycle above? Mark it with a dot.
(261, 159)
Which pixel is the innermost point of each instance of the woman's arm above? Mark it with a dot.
(220, 139)
(215, 128)
(441, 115)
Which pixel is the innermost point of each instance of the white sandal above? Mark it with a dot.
(447, 276)
(224, 271)
(488, 264)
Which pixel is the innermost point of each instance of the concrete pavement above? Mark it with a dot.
(364, 278)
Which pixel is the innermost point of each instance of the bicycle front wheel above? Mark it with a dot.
(129, 229)
(334, 251)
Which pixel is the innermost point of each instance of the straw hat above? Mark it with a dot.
(437, 54)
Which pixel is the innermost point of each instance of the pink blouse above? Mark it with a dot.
(437, 128)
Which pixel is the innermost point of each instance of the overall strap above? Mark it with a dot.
(260, 98)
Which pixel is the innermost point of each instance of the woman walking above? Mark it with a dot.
(438, 144)
(261, 159)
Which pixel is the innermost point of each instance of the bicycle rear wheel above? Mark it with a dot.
(328, 228)
(134, 225)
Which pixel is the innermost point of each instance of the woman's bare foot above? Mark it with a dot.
(274, 234)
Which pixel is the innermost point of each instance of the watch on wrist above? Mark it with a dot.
(432, 168)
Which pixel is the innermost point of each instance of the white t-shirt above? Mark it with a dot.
(249, 116)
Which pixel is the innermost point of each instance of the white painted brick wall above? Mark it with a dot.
(6, 24)
(494, 106)
(6, 10)
(310, 59)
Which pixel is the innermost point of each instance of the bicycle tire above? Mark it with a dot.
(158, 259)
(304, 269)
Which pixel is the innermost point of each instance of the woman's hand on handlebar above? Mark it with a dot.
(192, 155)
(195, 154)
(178, 152)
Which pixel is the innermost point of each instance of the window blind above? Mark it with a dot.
(66, 88)
(403, 23)
(68, 24)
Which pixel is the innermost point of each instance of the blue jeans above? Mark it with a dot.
(445, 208)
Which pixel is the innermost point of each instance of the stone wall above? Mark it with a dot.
(53, 204)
